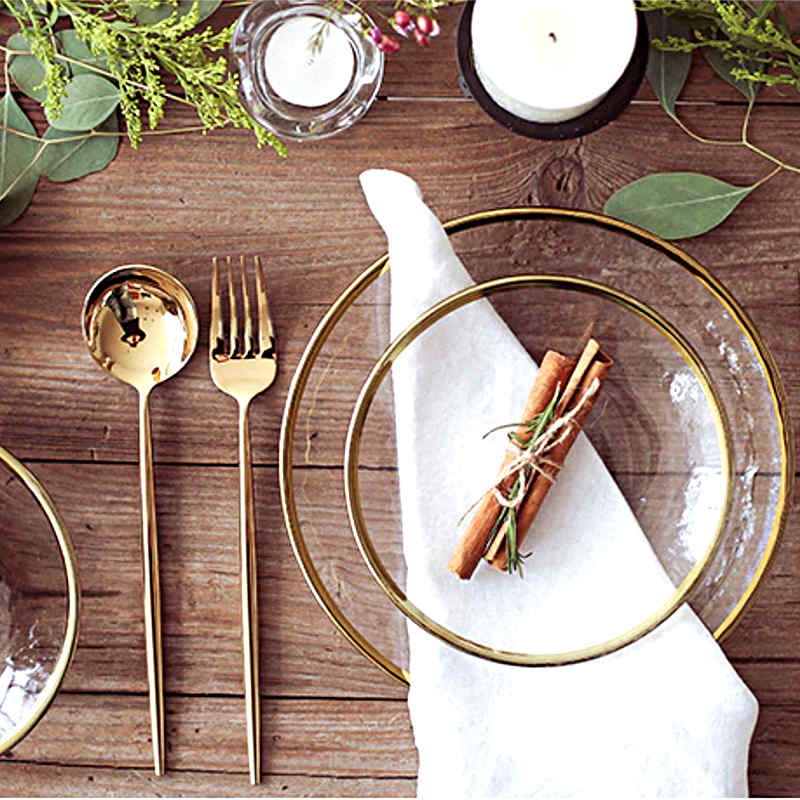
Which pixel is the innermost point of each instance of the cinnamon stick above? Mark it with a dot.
(592, 365)
(554, 370)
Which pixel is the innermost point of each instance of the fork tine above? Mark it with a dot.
(215, 334)
(234, 328)
(265, 332)
(247, 344)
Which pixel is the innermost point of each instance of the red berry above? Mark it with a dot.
(375, 35)
(402, 19)
(425, 25)
(421, 38)
(388, 45)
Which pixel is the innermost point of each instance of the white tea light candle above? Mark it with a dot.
(551, 60)
(305, 76)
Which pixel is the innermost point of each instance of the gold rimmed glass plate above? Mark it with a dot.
(39, 601)
(653, 475)
(686, 535)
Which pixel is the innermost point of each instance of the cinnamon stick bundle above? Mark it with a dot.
(575, 400)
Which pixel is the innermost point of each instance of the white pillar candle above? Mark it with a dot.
(551, 60)
(304, 76)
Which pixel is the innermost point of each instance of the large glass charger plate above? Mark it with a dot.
(637, 447)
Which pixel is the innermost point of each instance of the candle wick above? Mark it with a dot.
(552, 36)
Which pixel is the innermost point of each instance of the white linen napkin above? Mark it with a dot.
(666, 716)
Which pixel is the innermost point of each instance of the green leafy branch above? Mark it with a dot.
(118, 55)
(748, 45)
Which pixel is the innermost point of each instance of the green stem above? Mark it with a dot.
(88, 134)
(19, 177)
(93, 68)
(768, 176)
(763, 153)
(746, 121)
(702, 139)
(770, 157)
(743, 142)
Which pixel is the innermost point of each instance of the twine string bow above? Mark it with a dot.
(531, 458)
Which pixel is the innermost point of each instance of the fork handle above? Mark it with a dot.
(151, 588)
(247, 556)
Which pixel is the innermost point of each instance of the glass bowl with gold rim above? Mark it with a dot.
(39, 601)
(693, 427)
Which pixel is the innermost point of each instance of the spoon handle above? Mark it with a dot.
(151, 586)
(247, 557)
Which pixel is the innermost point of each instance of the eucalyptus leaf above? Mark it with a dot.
(666, 70)
(19, 172)
(27, 71)
(89, 100)
(676, 205)
(70, 44)
(723, 66)
(67, 161)
(145, 15)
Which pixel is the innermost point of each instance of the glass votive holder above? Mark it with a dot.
(306, 70)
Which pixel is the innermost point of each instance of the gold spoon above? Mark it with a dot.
(141, 325)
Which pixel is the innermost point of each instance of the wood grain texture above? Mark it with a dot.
(74, 781)
(307, 743)
(301, 736)
(302, 654)
(309, 259)
(334, 725)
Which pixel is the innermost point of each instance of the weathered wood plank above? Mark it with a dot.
(310, 259)
(32, 780)
(325, 738)
(774, 761)
(359, 740)
(773, 682)
(301, 653)
(193, 422)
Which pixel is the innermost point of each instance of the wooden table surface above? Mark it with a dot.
(333, 724)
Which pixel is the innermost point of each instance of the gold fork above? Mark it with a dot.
(244, 366)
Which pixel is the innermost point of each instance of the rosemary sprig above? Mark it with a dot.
(535, 427)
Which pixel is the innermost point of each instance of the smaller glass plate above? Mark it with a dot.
(685, 535)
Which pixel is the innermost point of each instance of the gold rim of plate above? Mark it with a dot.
(69, 644)
(373, 383)
(375, 270)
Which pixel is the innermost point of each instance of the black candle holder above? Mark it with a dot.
(608, 109)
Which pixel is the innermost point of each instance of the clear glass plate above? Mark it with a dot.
(651, 436)
(39, 601)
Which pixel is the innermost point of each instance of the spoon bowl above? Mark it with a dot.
(141, 324)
